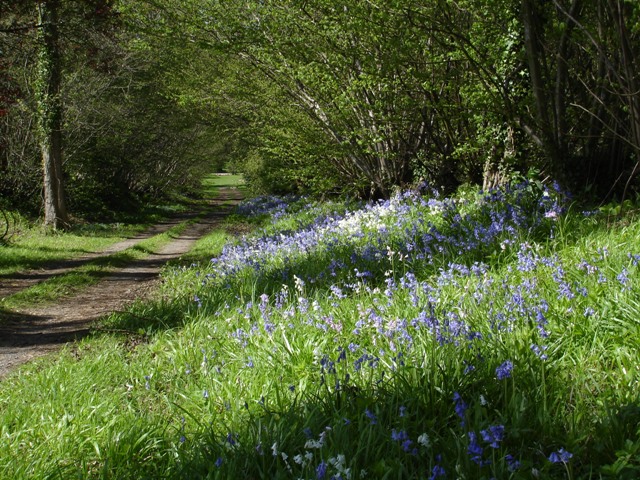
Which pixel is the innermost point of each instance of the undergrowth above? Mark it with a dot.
(487, 335)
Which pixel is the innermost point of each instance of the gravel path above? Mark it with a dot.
(33, 332)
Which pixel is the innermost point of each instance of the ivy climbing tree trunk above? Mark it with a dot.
(50, 114)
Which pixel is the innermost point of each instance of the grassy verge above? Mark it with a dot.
(486, 337)
(204, 248)
(89, 273)
(33, 248)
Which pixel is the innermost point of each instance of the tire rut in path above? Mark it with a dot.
(30, 333)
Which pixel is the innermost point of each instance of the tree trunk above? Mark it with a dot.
(630, 87)
(562, 78)
(50, 115)
(541, 92)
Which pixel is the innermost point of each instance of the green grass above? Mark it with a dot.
(204, 248)
(89, 273)
(213, 182)
(233, 384)
(32, 247)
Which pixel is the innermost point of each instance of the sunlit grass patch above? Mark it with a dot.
(213, 182)
(89, 273)
(33, 248)
(205, 248)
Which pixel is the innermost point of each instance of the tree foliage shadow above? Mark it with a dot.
(362, 423)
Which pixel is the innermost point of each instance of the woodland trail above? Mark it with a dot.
(30, 333)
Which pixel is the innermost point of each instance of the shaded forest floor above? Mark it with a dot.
(28, 333)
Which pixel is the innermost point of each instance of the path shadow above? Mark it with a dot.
(29, 335)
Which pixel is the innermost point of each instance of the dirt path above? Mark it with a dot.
(31, 333)
(10, 285)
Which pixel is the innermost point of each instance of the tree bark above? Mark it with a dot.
(534, 54)
(630, 88)
(50, 115)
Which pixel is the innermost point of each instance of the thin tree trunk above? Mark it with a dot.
(562, 77)
(530, 19)
(632, 96)
(50, 115)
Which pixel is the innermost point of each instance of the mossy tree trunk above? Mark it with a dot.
(50, 111)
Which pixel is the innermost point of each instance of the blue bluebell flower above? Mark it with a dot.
(460, 407)
(474, 449)
(504, 370)
(371, 416)
(493, 435)
(512, 463)
(437, 471)
(321, 470)
(560, 456)
(539, 351)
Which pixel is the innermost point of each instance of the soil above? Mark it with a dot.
(33, 332)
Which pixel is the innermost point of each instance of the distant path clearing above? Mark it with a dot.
(30, 333)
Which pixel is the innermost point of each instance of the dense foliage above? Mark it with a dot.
(317, 96)
(124, 137)
(486, 335)
(387, 92)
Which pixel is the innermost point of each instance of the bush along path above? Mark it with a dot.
(27, 333)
